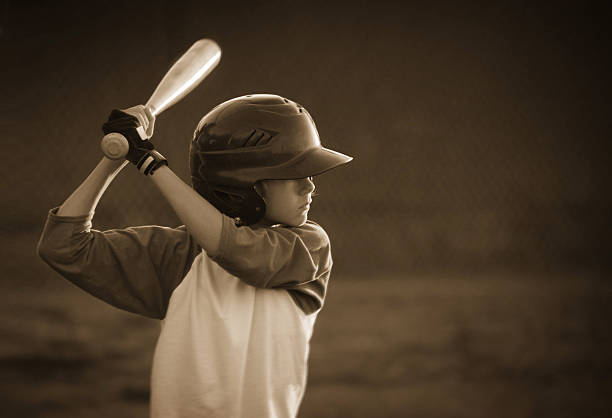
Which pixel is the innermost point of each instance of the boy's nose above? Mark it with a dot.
(308, 185)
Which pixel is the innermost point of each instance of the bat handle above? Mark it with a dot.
(114, 146)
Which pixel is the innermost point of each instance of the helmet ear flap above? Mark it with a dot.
(243, 204)
(251, 209)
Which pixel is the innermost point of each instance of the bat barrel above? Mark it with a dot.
(185, 74)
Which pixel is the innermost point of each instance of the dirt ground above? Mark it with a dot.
(446, 345)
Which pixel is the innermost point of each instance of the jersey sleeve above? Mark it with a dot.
(135, 269)
(297, 259)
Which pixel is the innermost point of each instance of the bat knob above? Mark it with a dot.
(114, 146)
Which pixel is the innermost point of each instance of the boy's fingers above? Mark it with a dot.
(145, 118)
(149, 113)
(138, 113)
(151, 118)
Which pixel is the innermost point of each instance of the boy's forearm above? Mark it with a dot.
(85, 198)
(201, 218)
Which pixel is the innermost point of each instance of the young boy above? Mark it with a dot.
(239, 285)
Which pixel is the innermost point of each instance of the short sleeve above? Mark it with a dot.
(135, 269)
(294, 258)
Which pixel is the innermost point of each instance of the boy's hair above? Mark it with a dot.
(252, 138)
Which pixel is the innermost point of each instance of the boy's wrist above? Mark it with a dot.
(151, 161)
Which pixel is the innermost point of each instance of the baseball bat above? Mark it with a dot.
(184, 75)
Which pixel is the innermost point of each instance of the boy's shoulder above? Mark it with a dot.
(311, 233)
(236, 239)
(310, 227)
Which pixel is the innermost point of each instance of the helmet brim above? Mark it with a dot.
(311, 163)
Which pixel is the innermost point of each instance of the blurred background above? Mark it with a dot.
(470, 234)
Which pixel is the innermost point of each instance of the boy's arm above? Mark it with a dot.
(201, 218)
(85, 198)
(135, 269)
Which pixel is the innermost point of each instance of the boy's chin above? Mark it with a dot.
(299, 223)
(302, 221)
(292, 222)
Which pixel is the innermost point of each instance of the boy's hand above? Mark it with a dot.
(145, 118)
(136, 125)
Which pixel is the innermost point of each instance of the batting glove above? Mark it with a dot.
(141, 152)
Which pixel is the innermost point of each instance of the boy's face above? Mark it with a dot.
(287, 201)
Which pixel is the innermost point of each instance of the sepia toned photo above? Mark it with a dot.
(281, 209)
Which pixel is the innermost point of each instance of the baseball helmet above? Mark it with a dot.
(252, 138)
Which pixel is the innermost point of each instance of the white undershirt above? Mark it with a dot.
(228, 349)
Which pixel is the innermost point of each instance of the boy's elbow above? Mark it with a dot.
(51, 253)
(42, 249)
(45, 250)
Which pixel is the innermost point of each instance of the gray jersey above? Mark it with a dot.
(236, 326)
